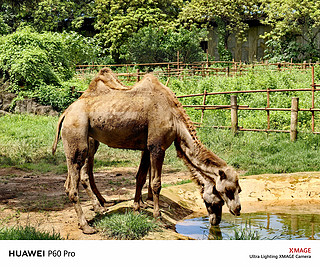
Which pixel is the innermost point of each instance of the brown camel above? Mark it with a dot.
(149, 118)
(105, 81)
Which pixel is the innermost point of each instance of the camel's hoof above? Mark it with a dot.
(157, 215)
(88, 230)
(136, 206)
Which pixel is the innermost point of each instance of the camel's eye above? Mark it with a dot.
(230, 194)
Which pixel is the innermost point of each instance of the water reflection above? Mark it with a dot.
(266, 225)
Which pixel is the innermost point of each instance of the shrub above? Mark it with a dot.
(157, 45)
(40, 65)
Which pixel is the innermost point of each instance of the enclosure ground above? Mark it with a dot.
(39, 200)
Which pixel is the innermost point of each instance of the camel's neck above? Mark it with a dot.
(200, 161)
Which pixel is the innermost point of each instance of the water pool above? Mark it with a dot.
(265, 225)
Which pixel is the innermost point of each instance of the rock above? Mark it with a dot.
(26, 105)
(6, 100)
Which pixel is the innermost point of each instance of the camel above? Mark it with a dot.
(149, 118)
(104, 81)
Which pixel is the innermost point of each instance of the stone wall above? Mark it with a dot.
(8, 104)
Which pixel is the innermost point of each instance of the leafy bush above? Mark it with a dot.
(4, 28)
(26, 233)
(157, 45)
(40, 65)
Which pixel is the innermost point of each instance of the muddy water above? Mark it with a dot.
(266, 225)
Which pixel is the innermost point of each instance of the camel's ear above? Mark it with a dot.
(222, 175)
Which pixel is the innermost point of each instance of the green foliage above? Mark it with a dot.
(27, 233)
(294, 28)
(49, 15)
(52, 15)
(118, 20)
(126, 226)
(151, 44)
(4, 28)
(224, 53)
(41, 65)
(229, 16)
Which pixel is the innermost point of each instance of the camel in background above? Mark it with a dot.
(147, 117)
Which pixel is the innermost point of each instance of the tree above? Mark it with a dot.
(58, 15)
(4, 28)
(151, 44)
(229, 16)
(117, 20)
(53, 15)
(291, 20)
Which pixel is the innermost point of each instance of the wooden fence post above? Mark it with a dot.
(294, 119)
(138, 75)
(313, 86)
(234, 114)
(203, 103)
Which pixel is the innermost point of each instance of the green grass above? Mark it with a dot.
(244, 232)
(126, 225)
(258, 153)
(27, 233)
(25, 142)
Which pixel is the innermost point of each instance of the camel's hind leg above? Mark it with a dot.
(141, 178)
(87, 179)
(156, 160)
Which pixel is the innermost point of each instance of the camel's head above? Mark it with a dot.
(226, 189)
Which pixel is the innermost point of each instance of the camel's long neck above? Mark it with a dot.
(197, 158)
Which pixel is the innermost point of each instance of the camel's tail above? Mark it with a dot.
(54, 146)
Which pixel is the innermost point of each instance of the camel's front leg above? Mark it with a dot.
(156, 160)
(141, 178)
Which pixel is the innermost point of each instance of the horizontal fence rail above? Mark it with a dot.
(180, 69)
(234, 107)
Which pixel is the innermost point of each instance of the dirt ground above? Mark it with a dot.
(39, 200)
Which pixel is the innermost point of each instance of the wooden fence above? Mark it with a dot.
(234, 107)
(180, 69)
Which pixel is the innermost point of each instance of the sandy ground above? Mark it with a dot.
(39, 200)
